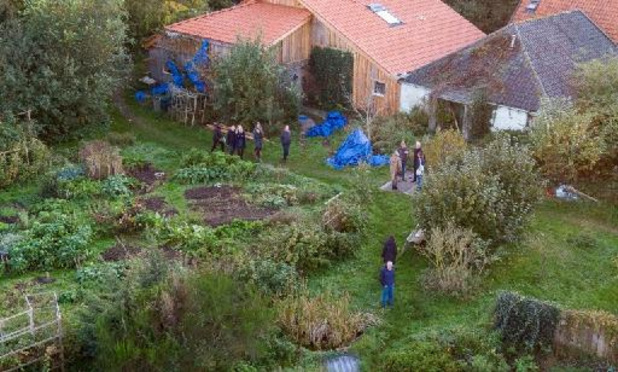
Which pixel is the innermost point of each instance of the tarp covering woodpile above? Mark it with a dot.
(354, 150)
(334, 122)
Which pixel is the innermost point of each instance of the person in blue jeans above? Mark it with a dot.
(387, 279)
(420, 171)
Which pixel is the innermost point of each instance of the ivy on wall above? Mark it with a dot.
(331, 78)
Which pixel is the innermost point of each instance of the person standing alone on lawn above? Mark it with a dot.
(258, 136)
(231, 139)
(420, 171)
(389, 252)
(241, 141)
(395, 168)
(417, 148)
(286, 141)
(403, 154)
(217, 138)
(387, 279)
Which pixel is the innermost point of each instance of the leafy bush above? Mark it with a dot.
(121, 139)
(70, 183)
(118, 186)
(55, 240)
(445, 145)
(22, 156)
(525, 324)
(457, 257)
(202, 167)
(302, 245)
(480, 116)
(273, 195)
(389, 131)
(344, 215)
(331, 78)
(178, 234)
(419, 356)
(271, 278)
(323, 322)
(249, 86)
(565, 142)
(100, 160)
(119, 216)
(491, 191)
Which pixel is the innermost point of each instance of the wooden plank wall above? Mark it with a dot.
(365, 71)
(296, 47)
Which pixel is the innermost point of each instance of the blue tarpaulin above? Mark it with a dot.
(200, 58)
(334, 121)
(140, 96)
(354, 150)
(160, 89)
(176, 74)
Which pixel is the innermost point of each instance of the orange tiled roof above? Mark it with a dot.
(602, 12)
(247, 20)
(430, 30)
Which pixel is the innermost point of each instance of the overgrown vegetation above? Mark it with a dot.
(22, 155)
(446, 145)
(479, 119)
(389, 131)
(488, 15)
(330, 83)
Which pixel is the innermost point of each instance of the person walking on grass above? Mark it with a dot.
(403, 154)
(387, 279)
(395, 168)
(231, 139)
(389, 252)
(258, 137)
(420, 171)
(217, 138)
(241, 141)
(417, 148)
(286, 141)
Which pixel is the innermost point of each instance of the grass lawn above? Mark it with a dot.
(566, 255)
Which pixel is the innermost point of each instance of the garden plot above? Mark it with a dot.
(224, 204)
(120, 252)
(158, 204)
(148, 175)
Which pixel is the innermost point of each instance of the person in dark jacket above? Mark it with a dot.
(217, 138)
(387, 279)
(258, 137)
(231, 139)
(403, 154)
(389, 252)
(286, 141)
(241, 141)
(417, 148)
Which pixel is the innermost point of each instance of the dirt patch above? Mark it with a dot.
(222, 205)
(43, 280)
(158, 204)
(120, 252)
(146, 174)
(9, 219)
(170, 253)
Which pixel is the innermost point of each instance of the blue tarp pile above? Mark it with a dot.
(334, 121)
(354, 150)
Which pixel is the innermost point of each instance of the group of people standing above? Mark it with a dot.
(236, 140)
(398, 163)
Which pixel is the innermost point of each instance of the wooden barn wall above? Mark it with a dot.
(295, 47)
(365, 71)
(294, 3)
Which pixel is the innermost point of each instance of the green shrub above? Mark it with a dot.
(121, 139)
(203, 167)
(344, 215)
(330, 82)
(525, 324)
(55, 240)
(178, 234)
(457, 259)
(389, 131)
(22, 156)
(491, 191)
(76, 188)
(271, 278)
(323, 322)
(119, 216)
(118, 186)
(444, 145)
(419, 356)
(302, 245)
(275, 195)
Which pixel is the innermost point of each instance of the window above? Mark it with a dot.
(383, 13)
(379, 88)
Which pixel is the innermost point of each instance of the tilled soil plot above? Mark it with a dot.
(158, 204)
(120, 252)
(146, 175)
(222, 205)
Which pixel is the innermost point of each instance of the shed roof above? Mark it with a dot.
(250, 19)
(603, 12)
(520, 63)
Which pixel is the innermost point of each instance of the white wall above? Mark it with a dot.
(412, 95)
(509, 118)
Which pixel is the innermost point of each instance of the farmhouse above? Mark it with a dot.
(602, 12)
(385, 39)
(515, 67)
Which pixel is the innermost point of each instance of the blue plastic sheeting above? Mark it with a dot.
(200, 58)
(354, 150)
(140, 96)
(334, 121)
(160, 89)
(176, 74)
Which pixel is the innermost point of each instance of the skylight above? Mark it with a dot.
(383, 13)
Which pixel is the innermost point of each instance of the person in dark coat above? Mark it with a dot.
(387, 279)
(217, 138)
(286, 141)
(258, 137)
(241, 141)
(389, 252)
(417, 148)
(231, 139)
(403, 154)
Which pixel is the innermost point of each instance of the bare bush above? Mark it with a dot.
(457, 257)
(101, 160)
